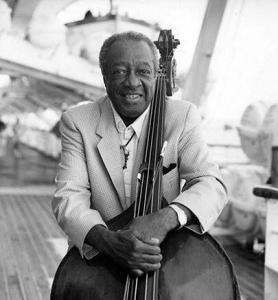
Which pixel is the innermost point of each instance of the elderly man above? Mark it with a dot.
(101, 154)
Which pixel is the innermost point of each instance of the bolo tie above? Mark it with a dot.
(126, 151)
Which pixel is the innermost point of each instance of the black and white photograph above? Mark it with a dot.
(138, 150)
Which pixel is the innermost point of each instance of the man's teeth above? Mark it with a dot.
(132, 96)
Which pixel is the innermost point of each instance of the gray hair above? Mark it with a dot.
(125, 36)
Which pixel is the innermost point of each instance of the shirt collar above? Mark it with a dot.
(136, 125)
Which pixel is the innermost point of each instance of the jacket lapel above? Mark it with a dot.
(109, 149)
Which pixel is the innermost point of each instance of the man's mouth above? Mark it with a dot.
(132, 97)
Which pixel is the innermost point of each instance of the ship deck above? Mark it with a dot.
(32, 246)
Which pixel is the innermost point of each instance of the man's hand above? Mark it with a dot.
(138, 256)
(136, 247)
(155, 225)
(126, 248)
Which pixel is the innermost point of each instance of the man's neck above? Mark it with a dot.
(127, 120)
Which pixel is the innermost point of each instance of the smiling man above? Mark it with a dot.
(129, 74)
(102, 146)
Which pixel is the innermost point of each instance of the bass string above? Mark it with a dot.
(152, 146)
(158, 144)
(155, 132)
(153, 143)
(159, 140)
(131, 291)
(145, 177)
(149, 142)
(156, 139)
(153, 135)
(162, 115)
(127, 284)
(139, 192)
(131, 283)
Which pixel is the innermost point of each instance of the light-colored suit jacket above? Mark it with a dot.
(90, 184)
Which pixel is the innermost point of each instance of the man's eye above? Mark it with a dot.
(119, 72)
(145, 72)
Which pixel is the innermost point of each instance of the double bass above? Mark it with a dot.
(193, 266)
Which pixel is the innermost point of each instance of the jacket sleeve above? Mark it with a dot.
(204, 192)
(71, 202)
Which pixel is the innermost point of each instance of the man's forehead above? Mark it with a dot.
(141, 63)
(128, 42)
(126, 49)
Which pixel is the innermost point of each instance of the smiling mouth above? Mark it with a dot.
(132, 97)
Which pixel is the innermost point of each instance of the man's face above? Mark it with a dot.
(130, 77)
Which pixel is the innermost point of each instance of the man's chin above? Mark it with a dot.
(133, 113)
(138, 101)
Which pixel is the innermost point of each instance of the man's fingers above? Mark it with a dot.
(146, 258)
(135, 254)
(144, 268)
(137, 272)
(150, 241)
(153, 241)
(147, 248)
(141, 246)
(150, 267)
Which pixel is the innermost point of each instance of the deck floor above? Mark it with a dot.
(32, 246)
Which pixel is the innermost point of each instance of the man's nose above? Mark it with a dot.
(132, 80)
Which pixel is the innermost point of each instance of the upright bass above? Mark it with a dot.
(193, 266)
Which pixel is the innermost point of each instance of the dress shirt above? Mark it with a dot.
(125, 133)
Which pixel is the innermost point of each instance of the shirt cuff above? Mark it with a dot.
(181, 215)
(89, 251)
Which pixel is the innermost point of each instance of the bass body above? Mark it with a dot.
(193, 267)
